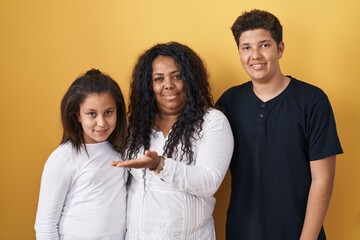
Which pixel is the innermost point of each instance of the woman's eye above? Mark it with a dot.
(92, 114)
(158, 79)
(177, 76)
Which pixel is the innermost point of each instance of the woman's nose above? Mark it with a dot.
(168, 83)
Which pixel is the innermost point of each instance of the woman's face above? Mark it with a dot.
(168, 86)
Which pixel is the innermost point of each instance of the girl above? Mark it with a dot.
(81, 195)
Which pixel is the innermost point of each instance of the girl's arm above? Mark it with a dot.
(55, 182)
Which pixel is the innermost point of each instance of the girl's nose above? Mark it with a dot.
(100, 122)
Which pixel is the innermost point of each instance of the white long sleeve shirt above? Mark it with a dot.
(178, 203)
(81, 196)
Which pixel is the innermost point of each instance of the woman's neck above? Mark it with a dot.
(164, 123)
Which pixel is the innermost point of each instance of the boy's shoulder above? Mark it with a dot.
(237, 90)
(301, 88)
(241, 87)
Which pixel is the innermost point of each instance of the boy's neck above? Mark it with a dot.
(270, 89)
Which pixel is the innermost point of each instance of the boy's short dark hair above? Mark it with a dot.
(257, 19)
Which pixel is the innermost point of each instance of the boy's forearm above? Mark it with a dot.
(323, 172)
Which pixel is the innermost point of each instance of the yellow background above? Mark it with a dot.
(45, 45)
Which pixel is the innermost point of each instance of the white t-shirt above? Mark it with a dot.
(82, 196)
(178, 203)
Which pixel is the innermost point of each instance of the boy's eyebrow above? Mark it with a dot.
(266, 40)
(260, 42)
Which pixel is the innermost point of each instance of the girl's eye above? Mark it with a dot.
(109, 113)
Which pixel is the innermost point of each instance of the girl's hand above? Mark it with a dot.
(150, 160)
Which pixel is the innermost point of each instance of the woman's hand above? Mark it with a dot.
(150, 160)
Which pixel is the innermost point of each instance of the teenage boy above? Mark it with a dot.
(286, 142)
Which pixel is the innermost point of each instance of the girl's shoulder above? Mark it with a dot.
(63, 149)
(62, 155)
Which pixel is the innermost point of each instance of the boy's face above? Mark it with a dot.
(259, 55)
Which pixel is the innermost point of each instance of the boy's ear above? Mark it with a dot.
(281, 49)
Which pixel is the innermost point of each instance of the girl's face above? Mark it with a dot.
(97, 117)
(168, 86)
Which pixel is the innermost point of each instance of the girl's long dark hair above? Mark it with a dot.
(93, 81)
(143, 108)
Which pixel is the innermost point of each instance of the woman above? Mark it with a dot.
(179, 145)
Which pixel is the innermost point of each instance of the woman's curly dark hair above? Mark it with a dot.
(143, 108)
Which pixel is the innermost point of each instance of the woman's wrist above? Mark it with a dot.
(160, 166)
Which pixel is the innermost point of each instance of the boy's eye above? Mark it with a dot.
(245, 48)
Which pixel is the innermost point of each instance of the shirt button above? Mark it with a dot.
(261, 115)
(263, 105)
